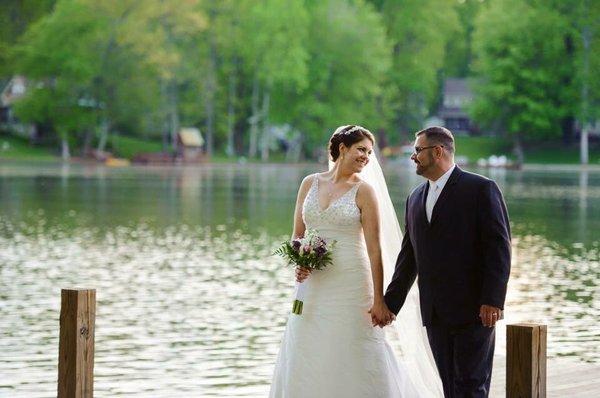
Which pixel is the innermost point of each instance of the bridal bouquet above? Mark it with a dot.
(311, 252)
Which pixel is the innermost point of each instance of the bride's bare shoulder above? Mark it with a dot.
(365, 193)
(364, 186)
(307, 182)
(309, 179)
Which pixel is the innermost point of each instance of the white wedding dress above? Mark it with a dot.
(332, 349)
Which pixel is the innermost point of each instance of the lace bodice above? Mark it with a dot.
(342, 212)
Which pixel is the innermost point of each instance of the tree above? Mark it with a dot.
(584, 19)
(15, 17)
(113, 56)
(587, 23)
(275, 57)
(520, 60)
(162, 35)
(459, 50)
(56, 54)
(349, 58)
(418, 31)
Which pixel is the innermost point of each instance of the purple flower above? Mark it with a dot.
(296, 245)
(320, 250)
(306, 249)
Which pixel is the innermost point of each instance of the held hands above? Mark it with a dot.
(302, 274)
(381, 315)
(489, 315)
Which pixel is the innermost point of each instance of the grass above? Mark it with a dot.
(128, 147)
(559, 155)
(475, 148)
(12, 147)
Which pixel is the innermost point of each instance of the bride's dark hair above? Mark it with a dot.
(347, 135)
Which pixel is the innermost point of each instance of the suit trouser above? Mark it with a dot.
(464, 356)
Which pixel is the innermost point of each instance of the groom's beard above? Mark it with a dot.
(423, 168)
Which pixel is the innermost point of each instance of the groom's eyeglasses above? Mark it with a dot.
(419, 149)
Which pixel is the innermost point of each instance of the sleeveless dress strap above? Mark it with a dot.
(355, 188)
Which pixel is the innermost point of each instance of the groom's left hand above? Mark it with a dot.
(489, 315)
(381, 316)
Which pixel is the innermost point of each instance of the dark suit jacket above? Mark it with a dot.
(462, 258)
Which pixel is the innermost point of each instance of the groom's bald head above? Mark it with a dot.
(437, 135)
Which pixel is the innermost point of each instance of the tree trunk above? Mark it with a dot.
(165, 138)
(163, 116)
(173, 113)
(103, 135)
(65, 152)
(294, 150)
(583, 145)
(568, 121)
(211, 88)
(266, 134)
(518, 150)
(254, 119)
(209, 109)
(230, 150)
(87, 142)
(585, 122)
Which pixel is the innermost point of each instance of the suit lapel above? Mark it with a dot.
(445, 194)
(422, 216)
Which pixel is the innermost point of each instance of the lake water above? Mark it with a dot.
(190, 300)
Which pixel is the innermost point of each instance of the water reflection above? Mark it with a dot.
(184, 310)
(190, 299)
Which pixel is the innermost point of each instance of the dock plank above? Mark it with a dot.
(565, 378)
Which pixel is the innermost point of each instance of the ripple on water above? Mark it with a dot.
(202, 310)
(181, 310)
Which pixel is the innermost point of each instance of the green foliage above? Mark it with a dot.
(275, 32)
(142, 69)
(457, 62)
(558, 154)
(349, 56)
(318, 256)
(128, 147)
(527, 66)
(418, 31)
(475, 148)
(19, 148)
(16, 16)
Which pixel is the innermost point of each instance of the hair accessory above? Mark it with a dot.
(353, 129)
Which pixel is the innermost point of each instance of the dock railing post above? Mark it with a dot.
(526, 361)
(76, 344)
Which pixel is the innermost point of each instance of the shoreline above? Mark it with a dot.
(552, 167)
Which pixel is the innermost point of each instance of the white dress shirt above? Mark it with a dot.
(435, 189)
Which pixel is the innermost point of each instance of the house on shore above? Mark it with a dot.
(189, 144)
(457, 96)
(12, 91)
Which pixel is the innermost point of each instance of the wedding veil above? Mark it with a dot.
(408, 328)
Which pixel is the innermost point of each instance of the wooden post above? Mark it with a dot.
(526, 361)
(76, 345)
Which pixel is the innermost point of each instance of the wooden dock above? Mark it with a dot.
(530, 373)
(566, 378)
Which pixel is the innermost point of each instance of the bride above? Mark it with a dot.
(337, 347)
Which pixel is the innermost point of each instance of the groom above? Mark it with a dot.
(457, 241)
